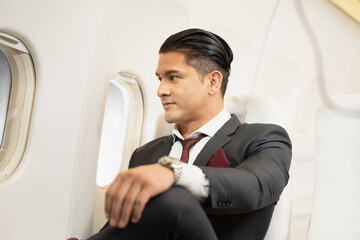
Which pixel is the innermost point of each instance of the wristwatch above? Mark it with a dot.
(172, 164)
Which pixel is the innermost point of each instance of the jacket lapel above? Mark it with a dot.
(220, 139)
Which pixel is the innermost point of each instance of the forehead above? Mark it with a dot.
(171, 61)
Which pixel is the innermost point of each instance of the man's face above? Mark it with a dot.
(183, 94)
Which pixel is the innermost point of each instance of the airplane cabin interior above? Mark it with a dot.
(78, 96)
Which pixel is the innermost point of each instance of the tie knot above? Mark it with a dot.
(188, 143)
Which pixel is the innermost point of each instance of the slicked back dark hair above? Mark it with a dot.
(204, 50)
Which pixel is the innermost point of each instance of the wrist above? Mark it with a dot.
(173, 164)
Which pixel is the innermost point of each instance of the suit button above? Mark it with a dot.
(219, 203)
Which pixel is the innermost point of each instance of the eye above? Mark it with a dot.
(160, 79)
(173, 78)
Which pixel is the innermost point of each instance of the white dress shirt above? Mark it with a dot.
(192, 177)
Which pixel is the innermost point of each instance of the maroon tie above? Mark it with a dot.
(187, 144)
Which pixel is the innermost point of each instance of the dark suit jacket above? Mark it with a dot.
(241, 198)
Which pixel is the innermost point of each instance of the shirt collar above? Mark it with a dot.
(209, 128)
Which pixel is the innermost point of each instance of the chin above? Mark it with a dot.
(170, 119)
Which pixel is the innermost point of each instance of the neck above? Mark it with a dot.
(186, 128)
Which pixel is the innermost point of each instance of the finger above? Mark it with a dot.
(117, 201)
(128, 204)
(139, 205)
(110, 194)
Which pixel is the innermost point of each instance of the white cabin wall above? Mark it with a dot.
(49, 195)
(288, 67)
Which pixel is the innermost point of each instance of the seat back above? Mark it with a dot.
(335, 208)
(261, 108)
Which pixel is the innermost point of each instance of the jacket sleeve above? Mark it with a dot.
(260, 157)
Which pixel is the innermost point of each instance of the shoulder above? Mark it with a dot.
(257, 129)
(248, 132)
(152, 144)
(251, 136)
(148, 152)
(259, 141)
(260, 136)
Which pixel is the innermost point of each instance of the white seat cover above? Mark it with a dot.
(335, 210)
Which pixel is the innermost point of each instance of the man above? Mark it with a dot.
(234, 172)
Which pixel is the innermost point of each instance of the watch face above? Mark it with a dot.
(173, 164)
(168, 161)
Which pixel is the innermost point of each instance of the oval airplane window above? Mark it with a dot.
(17, 88)
(121, 130)
(5, 86)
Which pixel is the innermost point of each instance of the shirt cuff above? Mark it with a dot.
(194, 179)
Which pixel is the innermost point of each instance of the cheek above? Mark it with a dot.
(188, 98)
(190, 95)
(194, 101)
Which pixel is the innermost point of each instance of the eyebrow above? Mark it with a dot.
(167, 73)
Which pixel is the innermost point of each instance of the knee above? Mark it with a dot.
(176, 202)
(177, 207)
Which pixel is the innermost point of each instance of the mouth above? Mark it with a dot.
(167, 105)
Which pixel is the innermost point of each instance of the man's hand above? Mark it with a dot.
(132, 189)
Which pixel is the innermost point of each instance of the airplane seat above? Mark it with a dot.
(257, 108)
(335, 208)
(262, 108)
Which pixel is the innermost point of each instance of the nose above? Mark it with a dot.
(164, 89)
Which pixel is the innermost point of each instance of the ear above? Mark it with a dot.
(215, 80)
